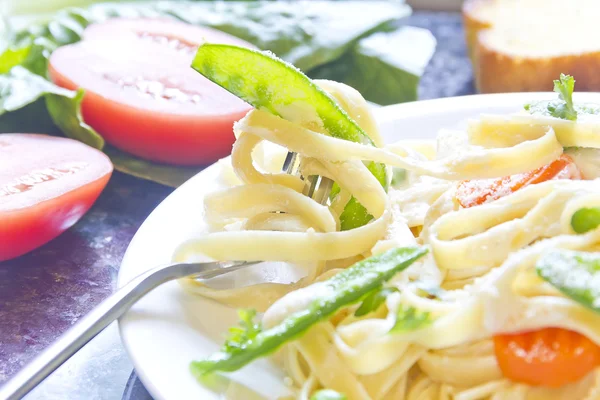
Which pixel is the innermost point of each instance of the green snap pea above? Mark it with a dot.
(345, 288)
(575, 273)
(270, 84)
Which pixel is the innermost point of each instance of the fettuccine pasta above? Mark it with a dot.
(478, 281)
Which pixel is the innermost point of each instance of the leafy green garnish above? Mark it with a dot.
(409, 319)
(564, 87)
(328, 394)
(29, 98)
(585, 219)
(588, 108)
(11, 57)
(20, 86)
(37, 42)
(168, 175)
(563, 107)
(373, 301)
(354, 215)
(575, 273)
(293, 31)
(341, 290)
(66, 114)
(370, 63)
(242, 334)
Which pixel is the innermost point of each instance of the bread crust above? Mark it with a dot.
(474, 23)
(497, 71)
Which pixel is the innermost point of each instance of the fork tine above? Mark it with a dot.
(323, 190)
(318, 188)
(290, 162)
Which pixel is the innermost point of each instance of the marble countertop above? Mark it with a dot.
(46, 291)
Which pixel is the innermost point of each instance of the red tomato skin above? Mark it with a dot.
(178, 136)
(24, 230)
(180, 140)
(47, 184)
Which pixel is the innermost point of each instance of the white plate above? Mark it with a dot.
(169, 328)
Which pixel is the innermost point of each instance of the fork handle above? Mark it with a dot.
(99, 318)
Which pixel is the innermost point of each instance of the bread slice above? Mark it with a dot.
(522, 45)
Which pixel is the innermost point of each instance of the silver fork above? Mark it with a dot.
(123, 299)
(317, 187)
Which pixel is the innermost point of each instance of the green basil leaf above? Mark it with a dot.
(20, 88)
(308, 34)
(21, 101)
(65, 111)
(292, 30)
(385, 67)
(13, 56)
(39, 41)
(168, 175)
(575, 273)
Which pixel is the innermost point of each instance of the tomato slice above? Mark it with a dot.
(549, 357)
(142, 95)
(476, 192)
(46, 185)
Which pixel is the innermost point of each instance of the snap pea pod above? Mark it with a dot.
(270, 84)
(343, 289)
(575, 273)
(373, 301)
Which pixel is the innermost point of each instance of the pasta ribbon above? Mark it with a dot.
(479, 280)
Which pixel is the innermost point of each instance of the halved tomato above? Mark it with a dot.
(46, 185)
(142, 95)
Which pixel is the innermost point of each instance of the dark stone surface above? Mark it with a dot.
(46, 291)
(135, 390)
(449, 72)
